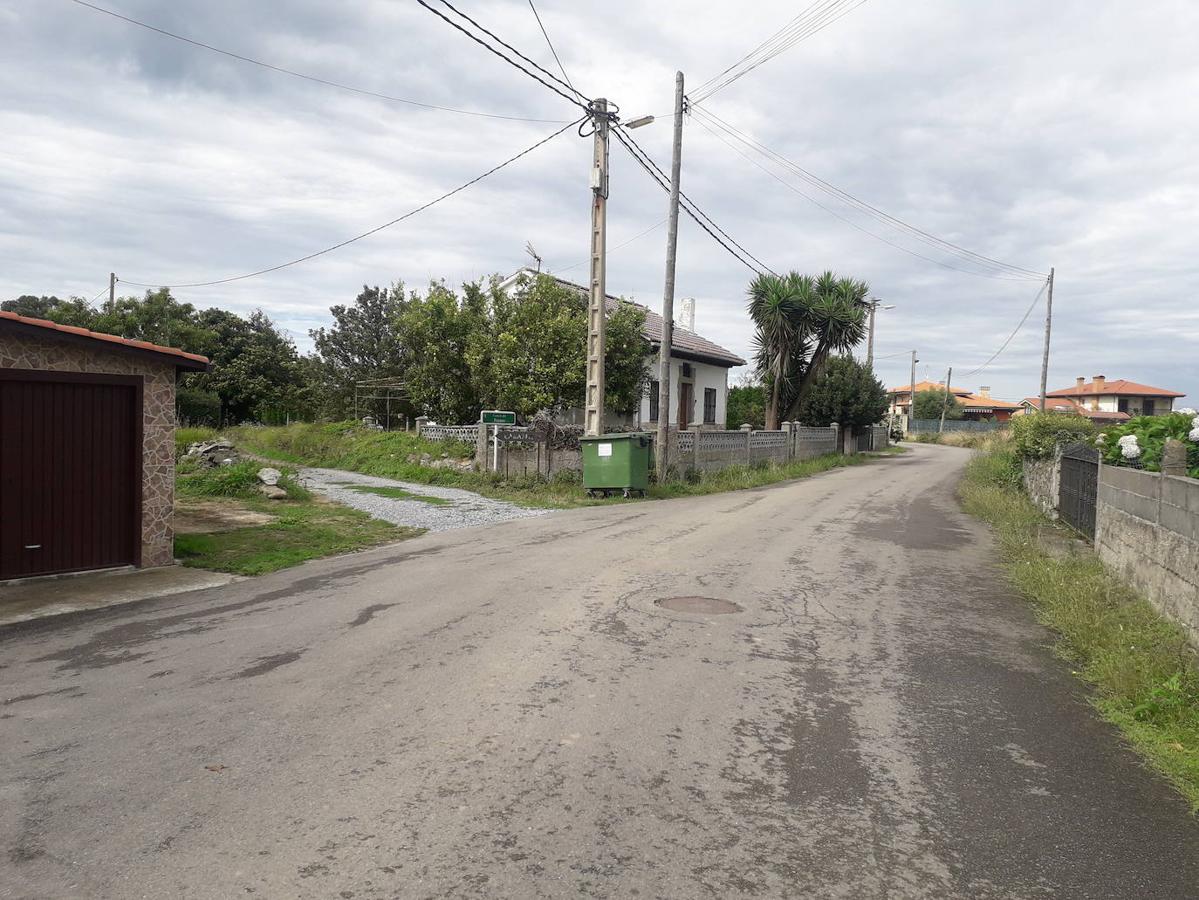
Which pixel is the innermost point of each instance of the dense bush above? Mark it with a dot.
(1038, 434)
(1139, 442)
(845, 392)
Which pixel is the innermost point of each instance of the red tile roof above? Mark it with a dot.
(1117, 387)
(964, 397)
(928, 386)
(1053, 404)
(181, 358)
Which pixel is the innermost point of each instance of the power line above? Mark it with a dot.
(375, 230)
(995, 355)
(482, 43)
(610, 250)
(691, 207)
(313, 78)
(991, 268)
(550, 44)
(813, 19)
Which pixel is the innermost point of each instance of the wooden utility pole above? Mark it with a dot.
(112, 288)
(661, 447)
(945, 403)
(1048, 328)
(598, 298)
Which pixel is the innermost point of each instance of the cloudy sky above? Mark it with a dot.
(1038, 134)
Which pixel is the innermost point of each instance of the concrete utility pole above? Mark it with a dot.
(661, 446)
(912, 393)
(112, 288)
(870, 337)
(596, 312)
(945, 403)
(1048, 328)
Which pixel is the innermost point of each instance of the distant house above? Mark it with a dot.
(1119, 396)
(699, 375)
(975, 407)
(1062, 404)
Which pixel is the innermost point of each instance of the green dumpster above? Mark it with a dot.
(616, 462)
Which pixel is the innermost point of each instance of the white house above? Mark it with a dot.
(699, 375)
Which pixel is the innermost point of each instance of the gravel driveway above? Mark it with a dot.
(461, 509)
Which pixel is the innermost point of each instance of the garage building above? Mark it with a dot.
(87, 448)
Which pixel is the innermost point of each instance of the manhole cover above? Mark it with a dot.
(701, 605)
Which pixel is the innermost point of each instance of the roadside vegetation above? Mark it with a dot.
(973, 440)
(399, 455)
(300, 527)
(1145, 675)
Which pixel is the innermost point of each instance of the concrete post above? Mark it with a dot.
(697, 433)
(421, 422)
(836, 430)
(748, 431)
(788, 431)
(1174, 458)
(481, 446)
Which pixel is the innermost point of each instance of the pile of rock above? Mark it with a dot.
(213, 453)
(269, 486)
(445, 461)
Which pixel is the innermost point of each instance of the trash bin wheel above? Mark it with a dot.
(626, 493)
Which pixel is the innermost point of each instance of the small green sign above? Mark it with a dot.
(498, 417)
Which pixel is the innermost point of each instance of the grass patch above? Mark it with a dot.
(239, 480)
(397, 493)
(740, 478)
(1145, 675)
(304, 531)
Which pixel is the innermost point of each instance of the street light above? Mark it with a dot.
(875, 304)
(637, 123)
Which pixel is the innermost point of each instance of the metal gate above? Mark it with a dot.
(1079, 487)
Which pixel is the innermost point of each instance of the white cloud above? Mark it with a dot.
(1059, 135)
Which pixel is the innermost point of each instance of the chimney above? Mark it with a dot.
(1100, 381)
(985, 392)
(1078, 383)
(686, 317)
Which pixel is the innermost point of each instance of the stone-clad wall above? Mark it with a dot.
(158, 422)
(1147, 528)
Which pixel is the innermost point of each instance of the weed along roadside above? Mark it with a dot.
(403, 456)
(1144, 673)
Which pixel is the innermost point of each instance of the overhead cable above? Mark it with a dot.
(375, 230)
(995, 355)
(492, 49)
(610, 250)
(813, 19)
(688, 206)
(550, 44)
(990, 268)
(313, 78)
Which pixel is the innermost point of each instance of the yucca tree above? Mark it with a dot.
(801, 320)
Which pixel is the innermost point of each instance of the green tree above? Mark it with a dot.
(845, 392)
(32, 306)
(799, 321)
(436, 332)
(746, 404)
(533, 355)
(928, 405)
(362, 343)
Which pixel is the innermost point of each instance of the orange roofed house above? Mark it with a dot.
(1107, 401)
(975, 407)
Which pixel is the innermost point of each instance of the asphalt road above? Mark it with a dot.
(505, 712)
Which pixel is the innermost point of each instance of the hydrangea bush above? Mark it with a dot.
(1140, 442)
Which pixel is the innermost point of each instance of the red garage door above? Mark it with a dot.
(70, 472)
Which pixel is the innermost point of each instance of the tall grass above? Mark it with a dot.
(1144, 673)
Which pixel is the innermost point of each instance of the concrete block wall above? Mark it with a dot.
(1042, 484)
(1147, 530)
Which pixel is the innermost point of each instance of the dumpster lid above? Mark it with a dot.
(616, 436)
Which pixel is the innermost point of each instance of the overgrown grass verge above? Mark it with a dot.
(973, 440)
(304, 528)
(397, 455)
(1145, 675)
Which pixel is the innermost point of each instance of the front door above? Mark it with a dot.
(686, 397)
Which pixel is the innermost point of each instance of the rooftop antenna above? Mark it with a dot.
(532, 251)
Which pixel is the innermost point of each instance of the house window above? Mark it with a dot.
(709, 406)
(1147, 407)
(654, 387)
(1122, 404)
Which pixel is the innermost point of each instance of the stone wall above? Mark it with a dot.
(1147, 529)
(158, 423)
(1041, 483)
